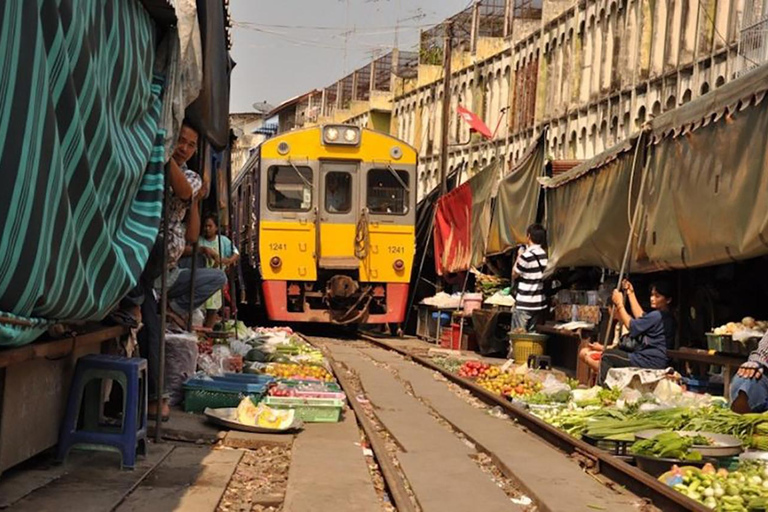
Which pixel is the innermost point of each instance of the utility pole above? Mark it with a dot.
(447, 50)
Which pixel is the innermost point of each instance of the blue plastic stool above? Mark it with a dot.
(85, 396)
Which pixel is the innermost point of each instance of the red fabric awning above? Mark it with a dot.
(462, 220)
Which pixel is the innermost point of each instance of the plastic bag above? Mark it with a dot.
(552, 386)
(180, 364)
(239, 348)
(215, 363)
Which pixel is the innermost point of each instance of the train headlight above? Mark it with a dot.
(275, 262)
(350, 135)
(341, 135)
(331, 134)
(399, 265)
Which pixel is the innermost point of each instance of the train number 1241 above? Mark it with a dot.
(396, 249)
(278, 247)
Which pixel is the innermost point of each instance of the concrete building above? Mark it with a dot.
(251, 129)
(590, 72)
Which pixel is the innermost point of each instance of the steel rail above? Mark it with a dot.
(633, 479)
(393, 480)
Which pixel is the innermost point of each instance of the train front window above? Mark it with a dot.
(338, 192)
(289, 188)
(388, 191)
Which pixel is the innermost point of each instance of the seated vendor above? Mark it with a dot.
(650, 334)
(749, 387)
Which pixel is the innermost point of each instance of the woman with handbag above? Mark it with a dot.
(650, 334)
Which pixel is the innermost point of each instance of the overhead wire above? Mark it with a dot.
(720, 35)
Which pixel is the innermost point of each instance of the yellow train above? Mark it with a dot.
(324, 219)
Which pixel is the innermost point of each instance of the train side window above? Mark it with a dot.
(388, 191)
(338, 192)
(289, 188)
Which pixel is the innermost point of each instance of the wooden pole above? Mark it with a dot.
(163, 310)
(447, 51)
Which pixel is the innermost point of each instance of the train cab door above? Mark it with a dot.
(338, 213)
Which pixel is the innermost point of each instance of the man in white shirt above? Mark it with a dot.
(528, 273)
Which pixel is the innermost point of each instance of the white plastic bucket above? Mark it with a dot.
(472, 301)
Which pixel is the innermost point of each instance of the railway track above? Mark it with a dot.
(444, 443)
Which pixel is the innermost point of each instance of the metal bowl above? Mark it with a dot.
(725, 445)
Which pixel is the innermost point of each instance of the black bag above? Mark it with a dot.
(629, 344)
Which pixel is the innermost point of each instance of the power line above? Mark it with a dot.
(723, 39)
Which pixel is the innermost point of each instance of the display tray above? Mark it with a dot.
(227, 417)
(725, 445)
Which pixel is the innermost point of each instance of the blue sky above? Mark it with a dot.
(287, 47)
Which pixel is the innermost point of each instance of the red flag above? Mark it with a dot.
(475, 123)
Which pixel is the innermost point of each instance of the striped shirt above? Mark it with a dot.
(530, 281)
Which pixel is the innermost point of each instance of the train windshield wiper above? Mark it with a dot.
(298, 172)
(397, 177)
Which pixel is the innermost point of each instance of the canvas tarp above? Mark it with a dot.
(706, 200)
(82, 160)
(180, 57)
(462, 218)
(210, 111)
(588, 216)
(517, 201)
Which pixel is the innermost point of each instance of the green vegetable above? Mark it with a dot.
(668, 445)
(256, 355)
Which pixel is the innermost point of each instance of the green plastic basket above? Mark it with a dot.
(309, 410)
(197, 400)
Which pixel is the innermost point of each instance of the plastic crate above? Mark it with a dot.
(309, 410)
(247, 378)
(203, 392)
(330, 390)
(717, 342)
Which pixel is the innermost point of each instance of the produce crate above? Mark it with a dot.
(309, 410)
(200, 393)
(717, 342)
(329, 390)
(247, 378)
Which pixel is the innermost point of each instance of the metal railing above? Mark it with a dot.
(753, 40)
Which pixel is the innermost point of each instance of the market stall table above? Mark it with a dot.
(695, 355)
(574, 341)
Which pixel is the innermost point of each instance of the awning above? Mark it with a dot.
(588, 218)
(210, 112)
(517, 200)
(462, 218)
(82, 161)
(706, 200)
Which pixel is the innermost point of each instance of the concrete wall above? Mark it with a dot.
(591, 72)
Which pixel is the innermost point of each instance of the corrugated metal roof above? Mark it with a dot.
(563, 166)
